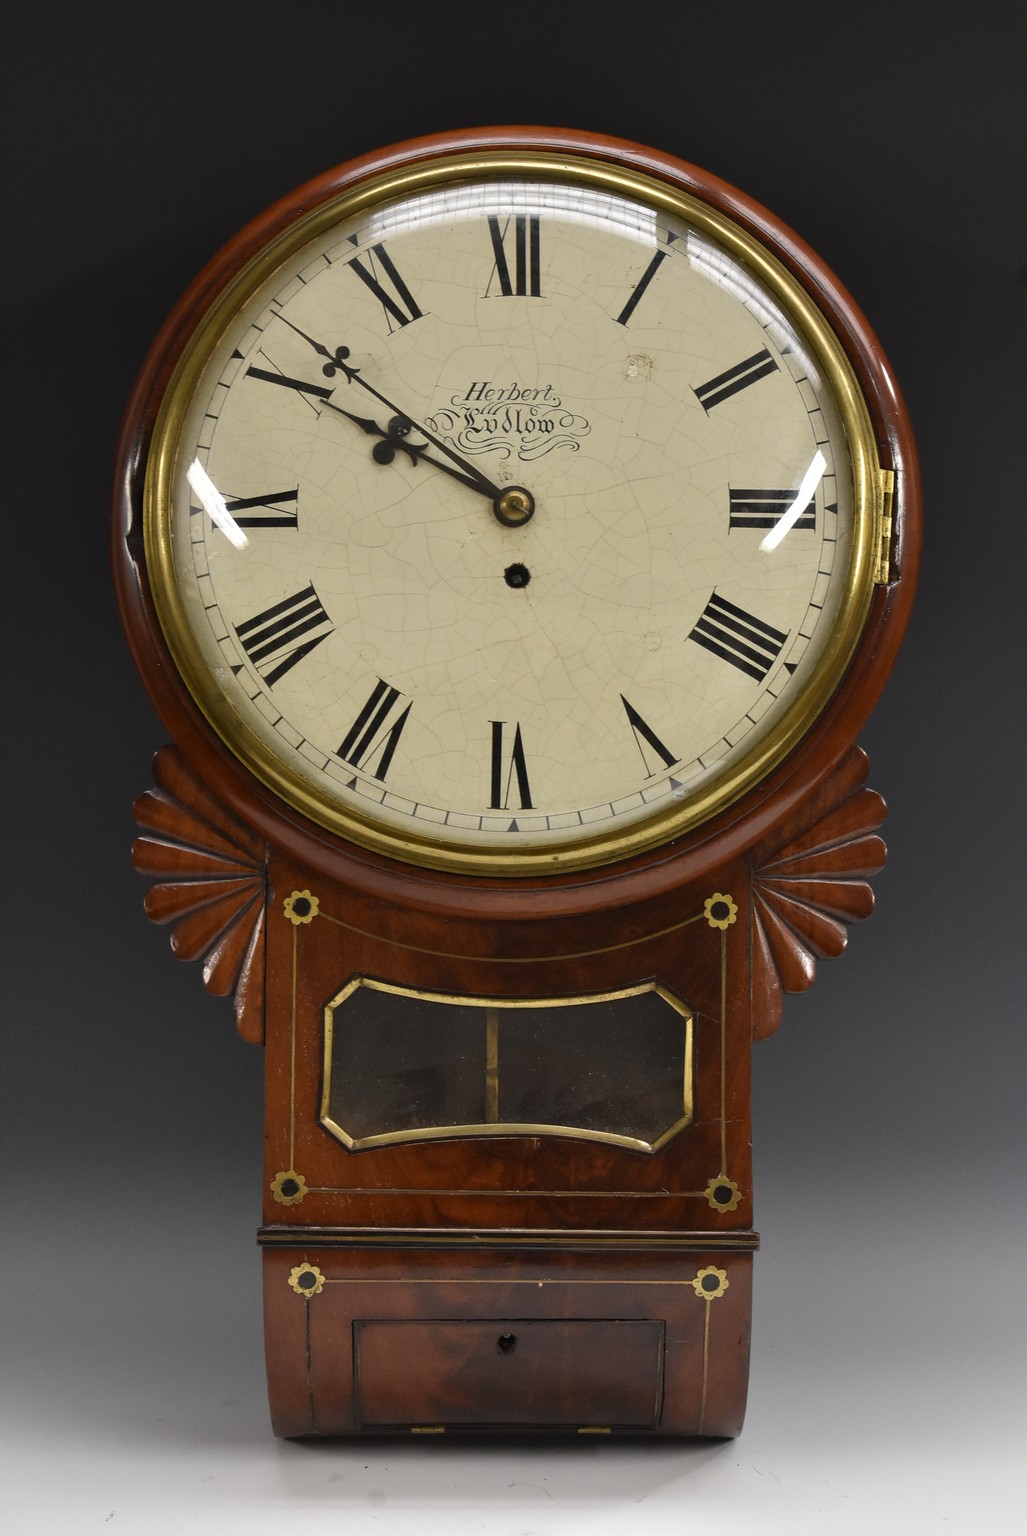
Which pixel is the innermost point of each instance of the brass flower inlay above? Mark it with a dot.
(719, 910)
(288, 1187)
(722, 1194)
(301, 907)
(307, 1280)
(710, 1283)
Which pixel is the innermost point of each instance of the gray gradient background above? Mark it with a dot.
(888, 1363)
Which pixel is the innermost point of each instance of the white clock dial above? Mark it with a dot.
(511, 520)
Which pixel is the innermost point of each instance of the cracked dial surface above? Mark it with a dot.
(461, 688)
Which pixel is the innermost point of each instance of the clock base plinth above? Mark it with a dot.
(555, 1336)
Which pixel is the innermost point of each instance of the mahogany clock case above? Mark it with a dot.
(582, 1250)
(888, 1108)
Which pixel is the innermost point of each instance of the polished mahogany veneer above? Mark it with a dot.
(531, 1280)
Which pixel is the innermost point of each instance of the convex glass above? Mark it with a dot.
(513, 520)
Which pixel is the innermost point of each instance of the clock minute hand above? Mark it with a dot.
(318, 346)
(511, 506)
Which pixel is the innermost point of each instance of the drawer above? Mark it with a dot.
(509, 1371)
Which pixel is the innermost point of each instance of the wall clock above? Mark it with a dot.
(514, 529)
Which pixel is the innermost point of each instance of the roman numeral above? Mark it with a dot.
(267, 511)
(283, 634)
(738, 637)
(640, 287)
(739, 377)
(399, 305)
(527, 265)
(645, 733)
(284, 380)
(372, 734)
(507, 767)
(764, 509)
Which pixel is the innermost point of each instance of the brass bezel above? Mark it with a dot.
(505, 1128)
(600, 847)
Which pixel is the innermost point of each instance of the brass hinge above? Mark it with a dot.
(886, 483)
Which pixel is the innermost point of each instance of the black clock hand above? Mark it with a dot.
(512, 506)
(394, 438)
(337, 364)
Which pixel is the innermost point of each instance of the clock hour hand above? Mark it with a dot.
(511, 506)
(395, 438)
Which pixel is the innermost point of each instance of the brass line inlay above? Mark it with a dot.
(292, 1060)
(705, 1367)
(492, 1065)
(514, 1194)
(311, 1406)
(445, 954)
(723, 1052)
(536, 1285)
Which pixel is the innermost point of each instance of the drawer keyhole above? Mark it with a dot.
(506, 1343)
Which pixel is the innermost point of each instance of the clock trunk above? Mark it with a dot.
(490, 1251)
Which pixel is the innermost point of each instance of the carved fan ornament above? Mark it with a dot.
(809, 882)
(211, 877)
